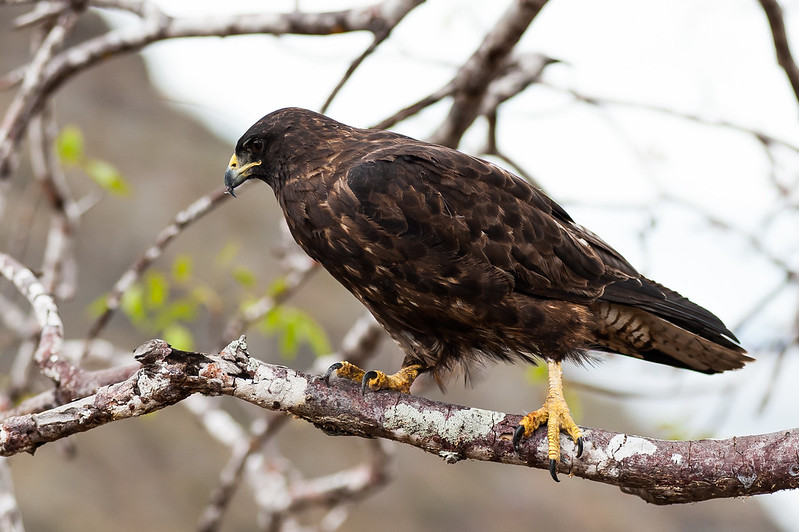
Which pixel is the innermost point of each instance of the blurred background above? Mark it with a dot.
(668, 129)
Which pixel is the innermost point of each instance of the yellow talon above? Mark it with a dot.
(377, 380)
(555, 413)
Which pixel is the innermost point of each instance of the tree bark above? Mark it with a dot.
(658, 471)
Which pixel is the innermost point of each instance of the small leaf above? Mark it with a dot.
(181, 310)
(226, 255)
(179, 337)
(208, 297)
(182, 268)
(132, 304)
(537, 374)
(156, 290)
(277, 287)
(293, 328)
(245, 277)
(97, 307)
(69, 145)
(107, 176)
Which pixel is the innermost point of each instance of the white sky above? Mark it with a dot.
(712, 58)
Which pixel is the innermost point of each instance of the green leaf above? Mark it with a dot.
(226, 255)
(537, 374)
(69, 145)
(206, 296)
(107, 176)
(179, 337)
(181, 310)
(156, 290)
(132, 304)
(182, 268)
(294, 328)
(245, 277)
(97, 307)
(277, 287)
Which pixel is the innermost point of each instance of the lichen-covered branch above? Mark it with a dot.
(662, 472)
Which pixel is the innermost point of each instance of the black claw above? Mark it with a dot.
(330, 370)
(369, 375)
(579, 446)
(518, 434)
(553, 470)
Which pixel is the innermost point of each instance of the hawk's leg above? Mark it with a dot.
(555, 413)
(377, 380)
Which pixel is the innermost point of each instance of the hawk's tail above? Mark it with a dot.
(641, 334)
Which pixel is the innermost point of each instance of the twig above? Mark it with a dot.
(45, 75)
(342, 487)
(380, 35)
(782, 48)
(359, 344)
(183, 219)
(58, 266)
(10, 516)
(29, 100)
(763, 137)
(417, 107)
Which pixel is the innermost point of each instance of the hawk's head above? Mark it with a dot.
(281, 144)
(246, 162)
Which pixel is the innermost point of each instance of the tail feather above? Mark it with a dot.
(641, 334)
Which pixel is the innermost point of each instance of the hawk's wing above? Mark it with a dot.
(476, 211)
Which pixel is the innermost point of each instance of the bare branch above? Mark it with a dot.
(33, 90)
(661, 472)
(761, 136)
(58, 269)
(360, 343)
(183, 219)
(10, 516)
(46, 74)
(381, 35)
(475, 76)
(417, 107)
(782, 48)
(48, 355)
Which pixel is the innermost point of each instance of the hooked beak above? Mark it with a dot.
(237, 174)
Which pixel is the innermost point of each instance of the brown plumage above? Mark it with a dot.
(459, 259)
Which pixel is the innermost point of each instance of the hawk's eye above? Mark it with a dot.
(254, 145)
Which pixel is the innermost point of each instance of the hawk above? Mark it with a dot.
(462, 261)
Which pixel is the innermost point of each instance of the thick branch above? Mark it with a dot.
(662, 472)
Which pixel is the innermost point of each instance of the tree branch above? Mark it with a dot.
(47, 73)
(782, 48)
(661, 472)
(198, 208)
(485, 65)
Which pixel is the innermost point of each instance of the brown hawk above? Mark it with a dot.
(461, 260)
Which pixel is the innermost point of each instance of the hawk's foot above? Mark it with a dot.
(377, 380)
(555, 413)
